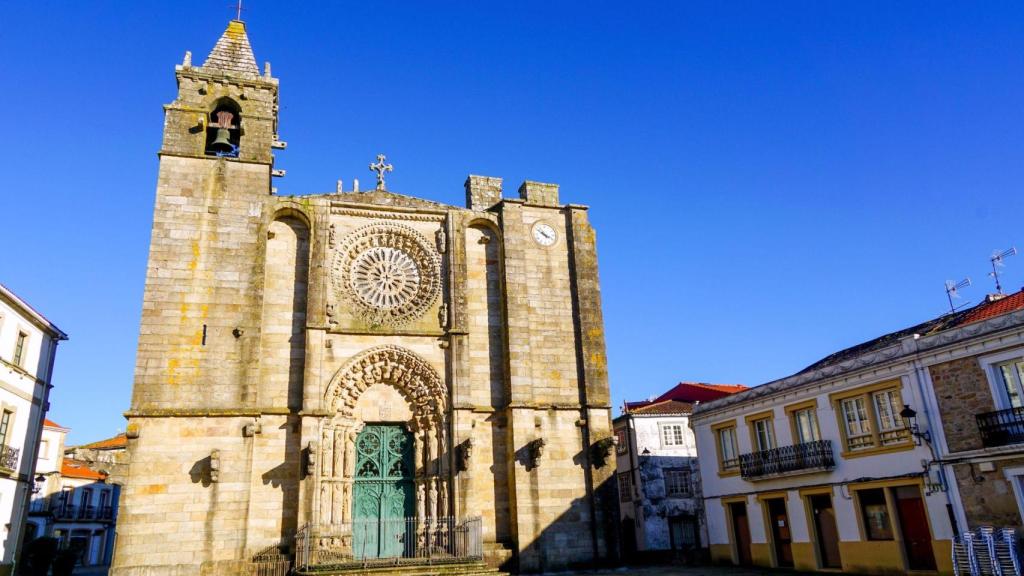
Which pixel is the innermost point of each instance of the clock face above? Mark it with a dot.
(544, 234)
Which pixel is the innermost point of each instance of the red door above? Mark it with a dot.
(741, 532)
(917, 538)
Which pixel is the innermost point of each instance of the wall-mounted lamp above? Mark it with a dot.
(909, 416)
(37, 486)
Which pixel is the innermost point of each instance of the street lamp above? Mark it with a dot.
(909, 416)
(37, 486)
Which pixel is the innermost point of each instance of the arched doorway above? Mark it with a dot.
(387, 464)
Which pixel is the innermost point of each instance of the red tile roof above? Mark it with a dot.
(51, 423)
(684, 393)
(993, 307)
(119, 441)
(78, 469)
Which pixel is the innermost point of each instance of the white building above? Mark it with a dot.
(843, 465)
(660, 506)
(76, 503)
(28, 345)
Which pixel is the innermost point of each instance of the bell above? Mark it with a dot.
(223, 141)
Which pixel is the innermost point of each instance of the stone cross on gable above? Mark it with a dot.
(380, 168)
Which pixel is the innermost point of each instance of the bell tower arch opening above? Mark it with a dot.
(224, 129)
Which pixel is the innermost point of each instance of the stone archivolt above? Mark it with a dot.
(387, 273)
(411, 375)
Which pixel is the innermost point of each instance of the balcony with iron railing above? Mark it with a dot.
(803, 458)
(69, 512)
(1002, 427)
(9, 459)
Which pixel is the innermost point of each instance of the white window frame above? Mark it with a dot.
(686, 483)
(663, 426)
(23, 353)
(812, 422)
(896, 423)
(864, 422)
(1015, 476)
(734, 445)
(990, 365)
(769, 434)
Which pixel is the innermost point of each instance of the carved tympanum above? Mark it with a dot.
(411, 375)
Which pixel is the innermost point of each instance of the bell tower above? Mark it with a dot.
(198, 365)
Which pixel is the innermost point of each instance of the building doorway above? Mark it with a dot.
(782, 539)
(917, 538)
(741, 532)
(383, 499)
(826, 535)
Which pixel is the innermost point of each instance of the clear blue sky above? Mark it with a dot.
(770, 182)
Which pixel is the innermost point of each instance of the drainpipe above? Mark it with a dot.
(921, 376)
(43, 407)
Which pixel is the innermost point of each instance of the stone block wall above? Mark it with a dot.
(963, 391)
(987, 496)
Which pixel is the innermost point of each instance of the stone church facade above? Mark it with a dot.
(314, 360)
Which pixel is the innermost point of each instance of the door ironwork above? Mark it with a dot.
(383, 490)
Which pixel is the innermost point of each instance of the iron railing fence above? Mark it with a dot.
(271, 561)
(1001, 427)
(799, 457)
(9, 457)
(389, 542)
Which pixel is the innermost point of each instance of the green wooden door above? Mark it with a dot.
(383, 495)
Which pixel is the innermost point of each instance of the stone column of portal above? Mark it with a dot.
(339, 504)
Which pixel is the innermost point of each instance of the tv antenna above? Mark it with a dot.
(953, 291)
(997, 263)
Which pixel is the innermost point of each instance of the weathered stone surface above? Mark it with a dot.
(275, 328)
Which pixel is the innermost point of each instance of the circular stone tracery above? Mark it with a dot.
(385, 278)
(388, 273)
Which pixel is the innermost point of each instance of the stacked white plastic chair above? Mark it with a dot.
(987, 552)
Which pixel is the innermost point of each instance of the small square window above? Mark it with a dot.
(677, 483)
(672, 435)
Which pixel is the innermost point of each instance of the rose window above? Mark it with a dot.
(386, 273)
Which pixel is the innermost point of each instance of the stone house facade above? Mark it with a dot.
(977, 390)
(867, 461)
(315, 361)
(658, 474)
(28, 348)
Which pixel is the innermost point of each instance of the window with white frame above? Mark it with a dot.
(858, 427)
(625, 487)
(672, 435)
(887, 406)
(19, 349)
(805, 422)
(677, 483)
(727, 449)
(764, 435)
(1010, 376)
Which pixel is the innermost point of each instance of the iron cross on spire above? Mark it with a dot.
(238, 10)
(380, 168)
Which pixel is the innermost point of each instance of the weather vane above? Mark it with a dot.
(380, 168)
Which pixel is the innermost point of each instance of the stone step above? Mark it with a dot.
(462, 569)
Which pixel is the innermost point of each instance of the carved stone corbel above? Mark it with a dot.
(536, 448)
(464, 455)
(601, 450)
(312, 453)
(215, 465)
(442, 240)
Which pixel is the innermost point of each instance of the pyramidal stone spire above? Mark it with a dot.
(232, 53)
